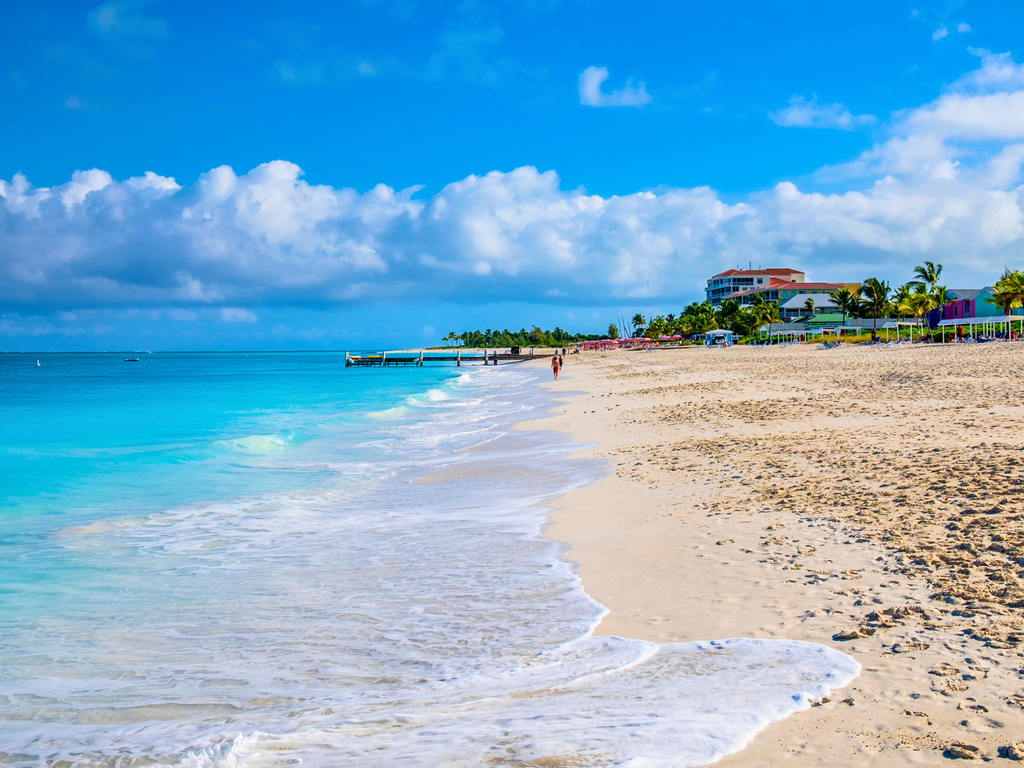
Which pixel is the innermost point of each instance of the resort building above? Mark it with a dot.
(971, 302)
(775, 285)
(733, 281)
(796, 306)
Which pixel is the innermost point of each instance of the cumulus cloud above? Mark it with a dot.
(962, 134)
(963, 27)
(987, 103)
(591, 94)
(942, 186)
(940, 33)
(152, 186)
(802, 113)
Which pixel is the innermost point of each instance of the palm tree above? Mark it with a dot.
(927, 275)
(941, 297)
(903, 300)
(656, 327)
(921, 300)
(769, 311)
(809, 306)
(638, 323)
(1010, 284)
(613, 330)
(728, 312)
(846, 302)
(1005, 300)
(1015, 280)
(875, 298)
(699, 317)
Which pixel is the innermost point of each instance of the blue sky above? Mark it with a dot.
(265, 175)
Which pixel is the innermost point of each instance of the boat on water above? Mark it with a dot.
(131, 359)
(37, 362)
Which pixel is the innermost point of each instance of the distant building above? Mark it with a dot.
(825, 320)
(794, 307)
(732, 281)
(778, 290)
(971, 302)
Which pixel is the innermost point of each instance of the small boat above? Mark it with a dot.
(37, 363)
(131, 359)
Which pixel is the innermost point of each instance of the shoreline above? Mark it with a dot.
(693, 500)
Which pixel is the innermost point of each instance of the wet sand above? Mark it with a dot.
(868, 499)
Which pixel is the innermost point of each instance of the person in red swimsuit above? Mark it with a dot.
(554, 365)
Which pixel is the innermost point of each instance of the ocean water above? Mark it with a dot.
(228, 560)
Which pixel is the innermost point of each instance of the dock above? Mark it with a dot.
(477, 357)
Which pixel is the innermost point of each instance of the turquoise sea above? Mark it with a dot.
(266, 558)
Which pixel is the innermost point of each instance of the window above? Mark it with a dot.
(759, 281)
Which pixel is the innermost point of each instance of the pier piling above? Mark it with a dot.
(420, 358)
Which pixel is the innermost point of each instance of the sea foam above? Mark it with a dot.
(373, 621)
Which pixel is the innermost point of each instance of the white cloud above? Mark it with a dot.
(987, 103)
(237, 315)
(152, 186)
(73, 102)
(940, 33)
(963, 27)
(956, 136)
(941, 187)
(591, 94)
(183, 315)
(82, 183)
(1003, 170)
(21, 197)
(802, 113)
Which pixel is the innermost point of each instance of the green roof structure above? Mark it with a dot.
(825, 319)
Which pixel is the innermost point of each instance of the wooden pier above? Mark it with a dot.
(481, 357)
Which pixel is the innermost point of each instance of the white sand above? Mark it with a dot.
(799, 493)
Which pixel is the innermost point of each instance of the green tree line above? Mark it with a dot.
(536, 337)
(874, 298)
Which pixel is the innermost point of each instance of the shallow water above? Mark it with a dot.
(220, 560)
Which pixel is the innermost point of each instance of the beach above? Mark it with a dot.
(866, 499)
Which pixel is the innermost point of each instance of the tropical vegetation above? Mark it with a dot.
(521, 338)
(1009, 291)
(875, 299)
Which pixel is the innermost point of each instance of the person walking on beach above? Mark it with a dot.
(554, 365)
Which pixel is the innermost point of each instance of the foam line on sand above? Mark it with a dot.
(866, 499)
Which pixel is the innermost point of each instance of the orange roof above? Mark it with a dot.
(829, 286)
(784, 284)
(770, 271)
